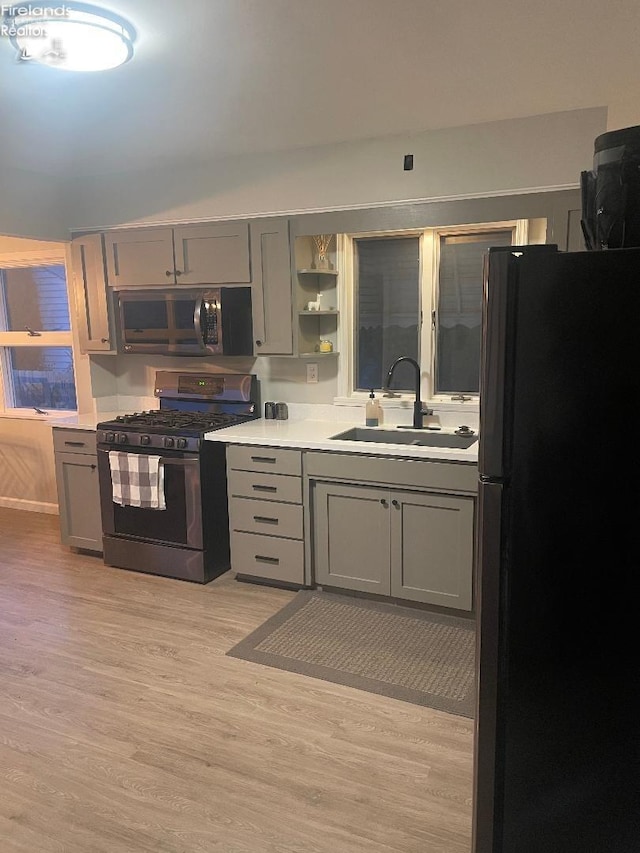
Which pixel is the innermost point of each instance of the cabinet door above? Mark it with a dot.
(79, 500)
(212, 254)
(432, 549)
(271, 287)
(351, 537)
(140, 256)
(90, 294)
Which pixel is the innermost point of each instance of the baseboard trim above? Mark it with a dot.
(29, 506)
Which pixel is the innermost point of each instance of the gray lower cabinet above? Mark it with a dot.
(432, 548)
(352, 537)
(412, 545)
(78, 491)
(264, 486)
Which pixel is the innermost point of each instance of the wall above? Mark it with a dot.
(281, 379)
(27, 474)
(493, 158)
(32, 204)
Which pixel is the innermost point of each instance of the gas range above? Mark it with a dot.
(165, 428)
(190, 406)
(186, 535)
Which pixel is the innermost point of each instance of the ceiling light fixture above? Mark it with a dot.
(70, 36)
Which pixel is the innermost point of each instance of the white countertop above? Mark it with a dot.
(316, 435)
(88, 421)
(302, 433)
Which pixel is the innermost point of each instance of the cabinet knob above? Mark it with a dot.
(395, 504)
(258, 343)
(178, 272)
(384, 502)
(104, 340)
(168, 273)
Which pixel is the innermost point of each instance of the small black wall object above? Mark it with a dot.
(408, 162)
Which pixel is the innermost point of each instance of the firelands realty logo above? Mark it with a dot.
(30, 22)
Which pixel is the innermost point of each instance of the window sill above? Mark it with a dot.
(19, 415)
(405, 401)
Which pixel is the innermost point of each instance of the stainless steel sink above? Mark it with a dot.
(410, 437)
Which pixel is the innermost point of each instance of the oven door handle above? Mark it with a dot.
(168, 460)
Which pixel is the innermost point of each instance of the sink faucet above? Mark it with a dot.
(418, 411)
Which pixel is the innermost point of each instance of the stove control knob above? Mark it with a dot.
(110, 437)
(181, 443)
(168, 442)
(144, 439)
(121, 438)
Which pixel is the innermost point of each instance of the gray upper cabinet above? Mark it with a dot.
(140, 256)
(214, 253)
(271, 287)
(90, 294)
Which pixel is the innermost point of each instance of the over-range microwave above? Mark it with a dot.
(203, 321)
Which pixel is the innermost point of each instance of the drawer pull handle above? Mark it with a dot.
(263, 459)
(264, 519)
(75, 443)
(273, 561)
(260, 488)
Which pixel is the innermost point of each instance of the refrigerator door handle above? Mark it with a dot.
(497, 267)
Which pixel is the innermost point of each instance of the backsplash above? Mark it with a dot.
(125, 383)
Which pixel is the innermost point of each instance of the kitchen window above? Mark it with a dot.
(36, 356)
(418, 294)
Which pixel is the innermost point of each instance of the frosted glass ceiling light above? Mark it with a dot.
(70, 36)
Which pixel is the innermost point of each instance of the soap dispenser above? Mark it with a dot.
(372, 411)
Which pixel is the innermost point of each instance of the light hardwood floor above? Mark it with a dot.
(125, 728)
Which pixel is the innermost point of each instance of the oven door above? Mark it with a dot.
(180, 524)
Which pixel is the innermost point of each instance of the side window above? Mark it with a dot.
(36, 359)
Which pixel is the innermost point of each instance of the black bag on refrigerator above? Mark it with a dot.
(611, 192)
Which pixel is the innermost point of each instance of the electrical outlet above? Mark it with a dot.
(312, 372)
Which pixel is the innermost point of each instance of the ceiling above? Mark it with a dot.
(212, 78)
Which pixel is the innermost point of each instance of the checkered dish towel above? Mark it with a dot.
(137, 480)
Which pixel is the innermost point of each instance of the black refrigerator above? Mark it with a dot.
(557, 757)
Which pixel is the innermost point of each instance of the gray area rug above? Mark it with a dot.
(414, 655)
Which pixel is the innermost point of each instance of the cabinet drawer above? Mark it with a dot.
(422, 474)
(74, 440)
(266, 487)
(270, 519)
(272, 460)
(267, 557)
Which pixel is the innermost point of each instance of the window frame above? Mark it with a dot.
(428, 304)
(17, 339)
